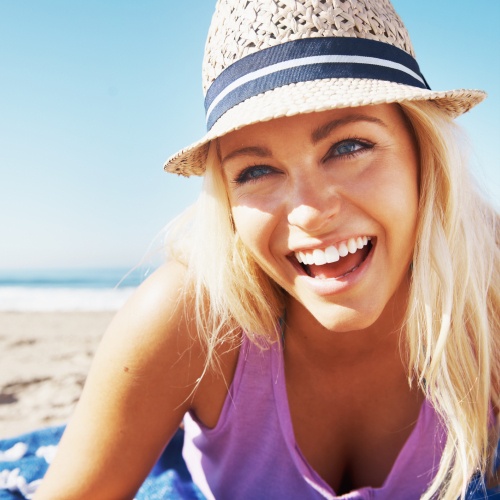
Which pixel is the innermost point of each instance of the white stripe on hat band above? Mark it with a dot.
(303, 61)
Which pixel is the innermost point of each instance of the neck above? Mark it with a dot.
(304, 334)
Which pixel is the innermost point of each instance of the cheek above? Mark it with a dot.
(390, 184)
(398, 202)
(389, 193)
(399, 213)
(254, 228)
(258, 232)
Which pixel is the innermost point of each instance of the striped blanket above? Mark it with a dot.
(25, 459)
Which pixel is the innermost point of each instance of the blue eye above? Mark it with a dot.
(253, 173)
(348, 147)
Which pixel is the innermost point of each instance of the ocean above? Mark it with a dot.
(50, 290)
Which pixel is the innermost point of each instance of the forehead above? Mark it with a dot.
(316, 126)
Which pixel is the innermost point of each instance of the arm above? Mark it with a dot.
(136, 394)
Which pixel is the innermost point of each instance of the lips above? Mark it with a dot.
(335, 261)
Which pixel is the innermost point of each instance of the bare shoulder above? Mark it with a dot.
(153, 335)
(156, 320)
(137, 392)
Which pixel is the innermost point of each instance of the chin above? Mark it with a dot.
(341, 319)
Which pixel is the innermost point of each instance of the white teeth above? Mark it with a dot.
(343, 250)
(352, 246)
(319, 257)
(332, 253)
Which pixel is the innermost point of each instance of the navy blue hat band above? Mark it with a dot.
(306, 60)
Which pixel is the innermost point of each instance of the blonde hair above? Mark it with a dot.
(453, 326)
(452, 323)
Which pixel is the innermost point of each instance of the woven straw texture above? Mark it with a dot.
(243, 27)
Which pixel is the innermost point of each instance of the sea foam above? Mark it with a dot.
(42, 299)
(68, 289)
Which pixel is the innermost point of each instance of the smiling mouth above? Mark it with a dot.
(336, 261)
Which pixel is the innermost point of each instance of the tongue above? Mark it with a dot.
(338, 269)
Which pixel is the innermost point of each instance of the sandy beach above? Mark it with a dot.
(45, 358)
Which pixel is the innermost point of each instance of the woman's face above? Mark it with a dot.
(327, 205)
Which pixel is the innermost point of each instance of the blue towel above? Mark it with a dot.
(25, 459)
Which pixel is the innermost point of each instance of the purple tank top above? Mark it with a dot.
(252, 453)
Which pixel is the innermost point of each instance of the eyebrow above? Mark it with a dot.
(318, 134)
(324, 131)
(261, 152)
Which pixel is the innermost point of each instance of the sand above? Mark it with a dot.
(44, 360)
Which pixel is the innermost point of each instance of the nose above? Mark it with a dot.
(313, 205)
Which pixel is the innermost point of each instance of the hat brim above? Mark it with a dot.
(315, 96)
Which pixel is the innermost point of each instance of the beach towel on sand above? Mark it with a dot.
(25, 459)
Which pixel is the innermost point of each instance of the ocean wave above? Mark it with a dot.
(73, 278)
(49, 299)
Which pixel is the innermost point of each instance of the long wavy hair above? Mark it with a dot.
(452, 325)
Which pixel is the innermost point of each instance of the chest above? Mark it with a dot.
(351, 427)
(300, 430)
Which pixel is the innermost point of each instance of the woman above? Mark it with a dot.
(328, 322)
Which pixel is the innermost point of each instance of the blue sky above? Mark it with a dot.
(94, 96)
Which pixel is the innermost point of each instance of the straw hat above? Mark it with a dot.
(266, 59)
